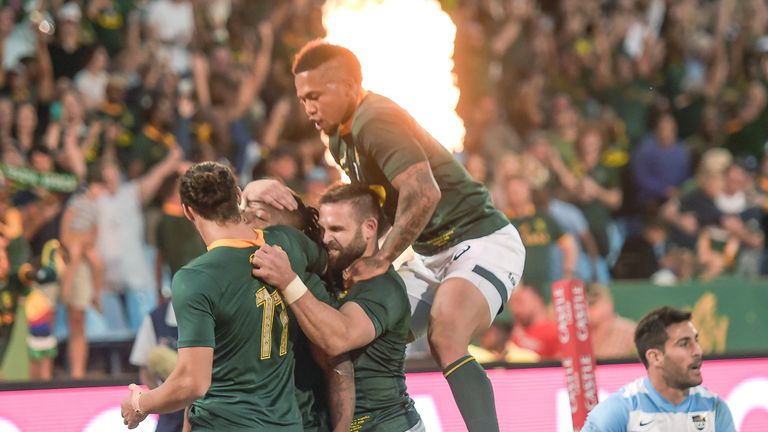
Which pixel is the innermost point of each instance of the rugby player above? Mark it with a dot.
(468, 256)
(235, 362)
(671, 397)
(373, 320)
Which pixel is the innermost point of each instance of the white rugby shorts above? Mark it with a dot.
(493, 264)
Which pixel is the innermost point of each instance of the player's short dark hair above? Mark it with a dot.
(318, 52)
(209, 188)
(364, 199)
(651, 331)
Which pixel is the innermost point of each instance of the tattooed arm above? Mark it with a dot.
(418, 198)
(340, 382)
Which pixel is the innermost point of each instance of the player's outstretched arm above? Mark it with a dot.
(189, 381)
(340, 378)
(418, 195)
(335, 331)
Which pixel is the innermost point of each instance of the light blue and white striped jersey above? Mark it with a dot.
(637, 407)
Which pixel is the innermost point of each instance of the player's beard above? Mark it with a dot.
(681, 376)
(347, 254)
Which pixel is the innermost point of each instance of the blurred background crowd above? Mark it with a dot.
(625, 139)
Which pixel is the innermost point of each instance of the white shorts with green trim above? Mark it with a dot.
(493, 264)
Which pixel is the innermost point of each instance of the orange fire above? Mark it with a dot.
(406, 49)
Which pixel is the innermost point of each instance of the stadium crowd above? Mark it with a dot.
(623, 138)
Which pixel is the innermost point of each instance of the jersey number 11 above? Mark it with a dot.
(270, 301)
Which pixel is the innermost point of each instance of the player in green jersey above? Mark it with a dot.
(468, 256)
(235, 358)
(325, 388)
(373, 322)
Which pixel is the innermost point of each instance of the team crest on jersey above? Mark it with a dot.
(699, 421)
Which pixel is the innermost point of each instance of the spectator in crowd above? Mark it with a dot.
(544, 168)
(539, 233)
(91, 81)
(177, 240)
(593, 185)
(495, 346)
(476, 167)
(611, 334)
(82, 280)
(742, 216)
(118, 122)
(534, 329)
(564, 129)
(487, 134)
(648, 255)
(660, 165)
(121, 230)
(155, 140)
(578, 81)
(109, 19)
(25, 131)
(698, 226)
(69, 54)
(171, 24)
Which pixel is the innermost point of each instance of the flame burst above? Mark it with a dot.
(406, 49)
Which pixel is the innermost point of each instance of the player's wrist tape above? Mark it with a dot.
(135, 398)
(294, 290)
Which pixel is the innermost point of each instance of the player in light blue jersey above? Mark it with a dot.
(671, 398)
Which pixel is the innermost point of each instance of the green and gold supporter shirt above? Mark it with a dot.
(383, 142)
(150, 147)
(539, 232)
(598, 214)
(109, 23)
(220, 305)
(12, 288)
(177, 239)
(117, 114)
(382, 402)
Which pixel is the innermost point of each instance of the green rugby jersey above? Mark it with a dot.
(382, 403)
(218, 304)
(384, 141)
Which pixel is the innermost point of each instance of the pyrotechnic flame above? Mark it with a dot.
(405, 48)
